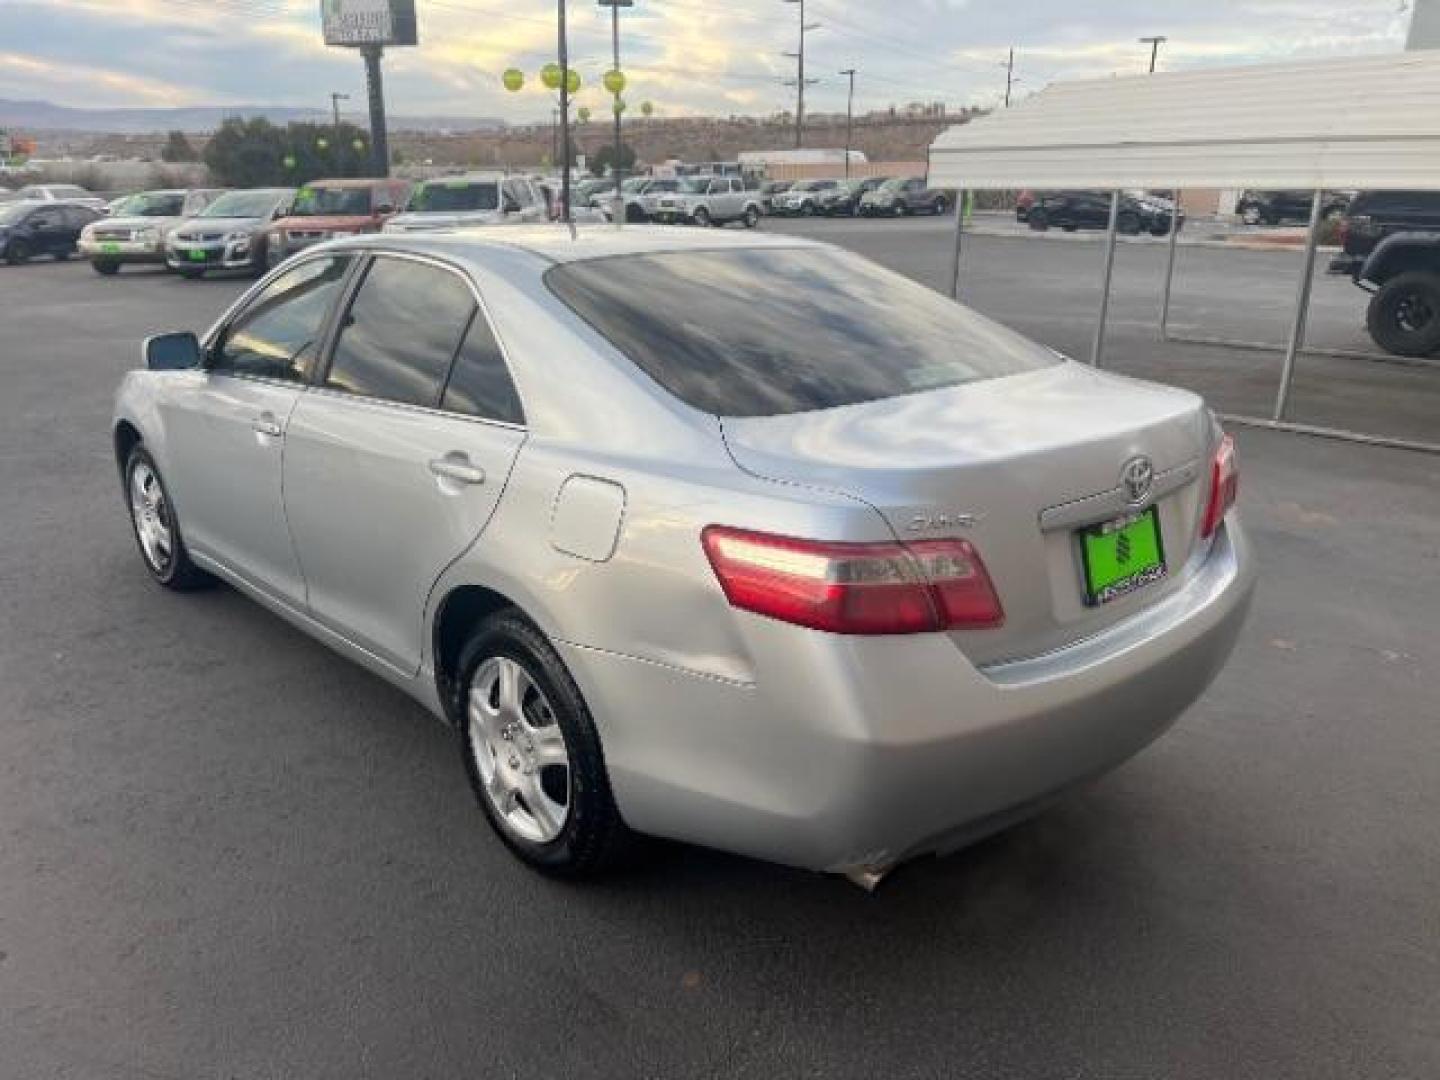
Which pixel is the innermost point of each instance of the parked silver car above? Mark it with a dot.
(474, 199)
(832, 573)
(232, 233)
(709, 200)
(138, 228)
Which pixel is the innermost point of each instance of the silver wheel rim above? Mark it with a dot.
(519, 751)
(151, 513)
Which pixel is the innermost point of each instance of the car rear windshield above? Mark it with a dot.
(828, 329)
(332, 201)
(453, 195)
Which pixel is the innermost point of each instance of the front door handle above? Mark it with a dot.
(266, 424)
(458, 468)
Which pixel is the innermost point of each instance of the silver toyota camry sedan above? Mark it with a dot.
(737, 540)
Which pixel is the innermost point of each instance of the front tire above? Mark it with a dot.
(751, 218)
(17, 252)
(1038, 220)
(1404, 316)
(1128, 224)
(532, 753)
(105, 267)
(939, 206)
(899, 209)
(157, 530)
(701, 217)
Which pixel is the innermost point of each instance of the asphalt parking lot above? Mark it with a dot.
(225, 852)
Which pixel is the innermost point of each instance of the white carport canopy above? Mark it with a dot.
(1370, 122)
(1364, 123)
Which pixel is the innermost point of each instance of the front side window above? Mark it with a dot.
(443, 196)
(277, 335)
(830, 328)
(401, 333)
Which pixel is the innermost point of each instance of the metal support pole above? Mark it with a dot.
(564, 49)
(1170, 269)
(959, 240)
(1098, 350)
(849, 118)
(1302, 307)
(619, 169)
(375, 87)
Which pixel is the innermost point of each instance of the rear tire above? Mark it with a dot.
(1128, 224)
(900, 209)
(1404, 316)
(105, 267)
(581, 837)
(1038, 220)
(156, 528)
(940, 206)
(17, 252)
(751, 218)
(701, 217)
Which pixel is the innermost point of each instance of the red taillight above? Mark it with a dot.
(854, 588)
(1224, 486)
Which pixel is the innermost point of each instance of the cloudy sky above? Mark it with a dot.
(685, 56)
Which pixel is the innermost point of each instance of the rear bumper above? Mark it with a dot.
(860, 752)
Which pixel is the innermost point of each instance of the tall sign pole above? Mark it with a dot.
(616, 84)
(564, 48)
(371, 26)
(849, 119)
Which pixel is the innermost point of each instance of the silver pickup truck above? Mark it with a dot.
(710, 200)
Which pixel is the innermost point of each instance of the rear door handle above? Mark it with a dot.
(266, 424)
(457, 468)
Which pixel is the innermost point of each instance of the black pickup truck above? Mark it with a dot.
(1390, 243)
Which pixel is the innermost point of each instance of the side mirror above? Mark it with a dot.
(172, 352)
(385, 209)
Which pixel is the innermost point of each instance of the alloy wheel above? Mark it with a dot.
(151, 512)
(519, 751)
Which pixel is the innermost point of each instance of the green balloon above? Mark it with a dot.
(572, 82)
(647, 109)
(550, 76)
(288, 161)
(619, 105)
(615, 81)
(584, 114)
(358, 145)
(322, 144)
(513, 79)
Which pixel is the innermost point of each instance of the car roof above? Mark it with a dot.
(553, 242)
(492, 176)
(355, 182)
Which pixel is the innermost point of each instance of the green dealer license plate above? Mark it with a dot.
(1121, 556)
(197, 255)
(110, 249)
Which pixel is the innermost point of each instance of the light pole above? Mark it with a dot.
(800, 80)
(1009, 76)
(335, 100)
(564, 48)
(615, 6)
(849, 117)
(1154, 43)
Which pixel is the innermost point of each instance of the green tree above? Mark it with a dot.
(254, 153)
(604, 158)
(178, 148)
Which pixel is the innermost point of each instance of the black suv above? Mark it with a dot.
(1279, 207)
(1071, 210)
(31, 227)
(1390, 246)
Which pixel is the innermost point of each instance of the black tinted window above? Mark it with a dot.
(401, 332)
(480, 383)
(829, 328)
(277, 334)
(1396, 202)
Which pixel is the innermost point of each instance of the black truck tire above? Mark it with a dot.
(1404, 316)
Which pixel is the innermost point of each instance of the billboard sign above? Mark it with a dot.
(354, 23)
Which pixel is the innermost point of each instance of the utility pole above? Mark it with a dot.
(564, 115)
(800, 81)
(1009, 77)
(849, 118)
(1154, 43)
(335, 100)
(615, 6)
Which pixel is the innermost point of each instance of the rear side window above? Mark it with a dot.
(401, 333)
(828, 329)
(480, 383)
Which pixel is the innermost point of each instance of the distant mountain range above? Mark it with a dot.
(29, 117)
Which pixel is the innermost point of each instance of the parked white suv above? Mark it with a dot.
(710, 200)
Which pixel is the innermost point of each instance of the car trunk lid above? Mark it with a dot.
(1015, 465)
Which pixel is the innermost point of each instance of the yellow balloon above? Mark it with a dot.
(513, 79)
(572, 82)
(615, 81)
(550, 76)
